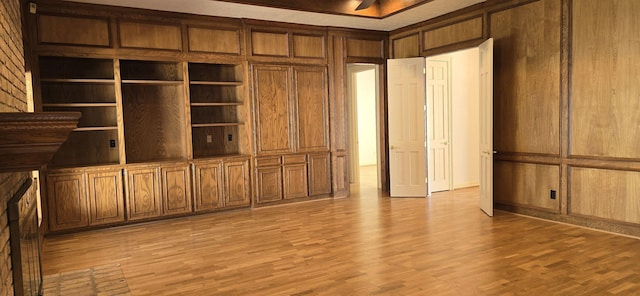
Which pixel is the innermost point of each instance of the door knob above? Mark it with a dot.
(445, 143)
(392, 147)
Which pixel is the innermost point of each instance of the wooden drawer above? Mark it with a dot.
(288, 159)
(268, 161)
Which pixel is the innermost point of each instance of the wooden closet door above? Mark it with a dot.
(311, 106)
(272, 109)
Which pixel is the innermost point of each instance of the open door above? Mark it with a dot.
(438, 124)
(406, 105)
(486, 127)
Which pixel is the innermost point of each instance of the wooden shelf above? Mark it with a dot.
(80, 105)
(216, 104)
(95, 128)
(218, 83)
(77, 80)
(217, 124)
(152, 82)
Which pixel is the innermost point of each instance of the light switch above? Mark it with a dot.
(209, 139)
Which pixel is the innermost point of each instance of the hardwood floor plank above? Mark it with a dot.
(363, 245)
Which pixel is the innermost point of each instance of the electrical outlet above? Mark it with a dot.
(552, 194)
(112, 143)
(229, 137)
(209, 140)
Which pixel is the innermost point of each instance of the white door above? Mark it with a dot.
(486, 126)
(407, 159)
(438, 99)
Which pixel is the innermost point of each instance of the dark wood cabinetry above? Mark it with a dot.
(272, 109)
(143, 193)
(106, 201)
(294, 173)
(176, 189)
(67, 200)
(207, 176)
(319, 174)
(237, 190)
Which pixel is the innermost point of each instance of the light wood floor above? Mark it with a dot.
(362, 245)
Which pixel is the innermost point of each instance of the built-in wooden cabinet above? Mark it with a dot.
(170, 125)
(84, 197)
(143, 193)
(221, 183)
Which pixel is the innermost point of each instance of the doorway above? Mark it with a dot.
(363, 103)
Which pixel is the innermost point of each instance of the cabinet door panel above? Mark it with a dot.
(106, 203)
(208, 186)
(311, 104)
(268, 184)
(143, 198)
(271, 100)
(295, 180)
(176, 190)
(319, 174)
(67, 199)
(236, 182)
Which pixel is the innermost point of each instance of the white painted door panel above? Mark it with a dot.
(438, 99)
(407, 159)
(486, 126)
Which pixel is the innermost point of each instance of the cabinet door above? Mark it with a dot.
(143, 193)
(319, 174)
(295, 180)
(67, 200)
(106, 203)
(208, 185)
(268, 184)
(311, 108)
(176, 190)
(236, 183)
(272, 109)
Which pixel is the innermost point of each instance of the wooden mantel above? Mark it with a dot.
(29, 140)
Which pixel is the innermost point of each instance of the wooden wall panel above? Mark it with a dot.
(607, 194)
(73, 30)
(406, 47)
(527, 184)
(605, 90)
(363, 48)
(454, 33)
(311, 108)
(152, 36)
(270, 43)
(211, 40)
(308, 46)
(272, 109)
(527, 78)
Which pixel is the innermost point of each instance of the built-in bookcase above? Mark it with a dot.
(87, 86)
(218, 111)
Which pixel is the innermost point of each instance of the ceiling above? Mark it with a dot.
(334, 13)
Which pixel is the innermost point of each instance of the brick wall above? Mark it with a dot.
(12, 99)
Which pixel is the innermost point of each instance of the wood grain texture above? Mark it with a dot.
(237, 190)
(73, 30)
(143, 193)
(363, 245)
(454, 33)
(311, 106)
(527, 185)
(268, 184)
(160, 107)
(527, 78)
(213, 40)
(604, 88)
(67, 200)
(406, 46)
(176, 189)
(341, 177)
(149, 36)
(207, 186)
(272, 109)
(270, 44)
(294, 181)
(106, 200)
(87, 148)
(605, 194)
(309, 46)
(364, 48)
(319, 174)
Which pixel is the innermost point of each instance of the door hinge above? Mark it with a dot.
(426, 180)
(425, 144)
(424, 71)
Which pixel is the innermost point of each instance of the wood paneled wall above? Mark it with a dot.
(566, 103)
